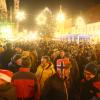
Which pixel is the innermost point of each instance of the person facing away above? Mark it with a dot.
(15, 63)
(26, 84)
(90, 84)
(55, 87)
(7, 90)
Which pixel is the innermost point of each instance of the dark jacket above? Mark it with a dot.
(7, 92)
(26, 85)
(5, 57)
(90, 89)
(74, 81)
(12, 66)
(54, 89)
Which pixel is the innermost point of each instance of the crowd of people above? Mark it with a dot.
(49, 70)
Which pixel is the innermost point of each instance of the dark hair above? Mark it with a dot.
(26, 62)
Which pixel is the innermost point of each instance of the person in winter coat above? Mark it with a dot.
(90, 85)
(44, 70)
(74, 79)
(26, 84)
(55, 87)
(5, 56)
(7, 91)
(15, 63)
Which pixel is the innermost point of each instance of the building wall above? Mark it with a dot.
(91, 29)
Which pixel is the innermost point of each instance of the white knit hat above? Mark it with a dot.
(6, 75)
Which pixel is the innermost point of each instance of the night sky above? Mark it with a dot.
(70, 7)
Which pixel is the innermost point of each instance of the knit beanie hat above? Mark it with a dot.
(91, 67)
(6, 75)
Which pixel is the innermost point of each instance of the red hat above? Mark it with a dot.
(6, 75)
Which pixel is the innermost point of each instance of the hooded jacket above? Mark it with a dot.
(43, 74)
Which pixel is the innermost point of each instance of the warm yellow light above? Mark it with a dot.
(57, 35)
(80, 21)
(31, 36)
(25, 31)
(20, 16)
(7, 33)
(46, 9)
(98, 33)
(41, 19)
(6, 30)
(60, 17)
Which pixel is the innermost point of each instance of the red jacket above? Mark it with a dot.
(26, 84)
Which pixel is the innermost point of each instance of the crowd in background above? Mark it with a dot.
(49, 70)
